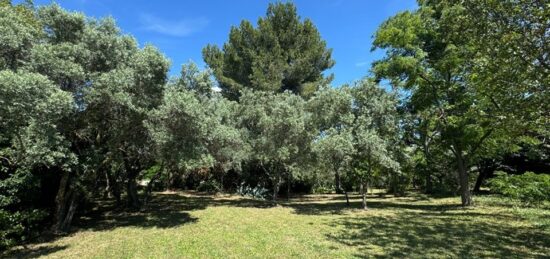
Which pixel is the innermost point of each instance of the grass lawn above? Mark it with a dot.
(315, 226)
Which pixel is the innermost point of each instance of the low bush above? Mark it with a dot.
(257, 192)
(531, 188)
(209, 186)
(17, 227)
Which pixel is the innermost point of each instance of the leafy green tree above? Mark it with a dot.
(428, 55)
(177, 129)
(512, 64)
(334, 119)
(19, 31)
(224, 139)
(374, 132)
(358, 132)
(124, 98)
(193, 79)
(114, 84)
(281, 53)
(279, 132)
(195, 127)
(31, 106)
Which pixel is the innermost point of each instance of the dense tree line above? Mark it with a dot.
(86, 113)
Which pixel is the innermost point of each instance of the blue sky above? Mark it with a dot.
(182, 28)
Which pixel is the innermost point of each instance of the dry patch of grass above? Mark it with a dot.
(187, 225)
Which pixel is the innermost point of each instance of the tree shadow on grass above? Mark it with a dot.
(33, 252)
(338, 205)
(424, 235)
(166, 211)
(163, 211)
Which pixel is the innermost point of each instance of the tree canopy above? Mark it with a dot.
(281, 53)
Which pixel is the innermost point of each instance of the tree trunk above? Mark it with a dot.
(60, 197)
(131, 189)
(108, 186)
(363, 193)
(429, 184)
(149, 187)
(337, 182)
(131, 186)
(221, 180)
(116, 191)
(276, 185)
(66, 202)
(288, 187)
(429, 188)
(486, 169)
(347, 198)
(73, 203)
(479, 181)
(465, 194)
(171, 180)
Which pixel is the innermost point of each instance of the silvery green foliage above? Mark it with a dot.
(176, 128)
(194, 127)
(334, 118)
(18, 32)
(196, 80)
(375, 126)
(55, 61)
(278, 130)
(30, 108)
(224, 139)
(358, 125)
(122, 98)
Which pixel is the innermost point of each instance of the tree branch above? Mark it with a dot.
(478, 144)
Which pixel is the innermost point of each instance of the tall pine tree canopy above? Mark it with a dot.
(281, 53)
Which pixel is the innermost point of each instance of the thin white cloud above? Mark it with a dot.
(361, 64)
(180, 28)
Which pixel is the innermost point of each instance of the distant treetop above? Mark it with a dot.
(281, 53)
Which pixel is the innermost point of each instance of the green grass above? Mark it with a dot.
(186, 225)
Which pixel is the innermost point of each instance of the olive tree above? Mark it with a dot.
(196, 127)
(279, 131)
(374, 132)
(31, 107)
(334, 118)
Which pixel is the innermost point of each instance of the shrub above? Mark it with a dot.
(19, 226)
(530, 188)
(322, 189)
(209, 186)
(257, 192)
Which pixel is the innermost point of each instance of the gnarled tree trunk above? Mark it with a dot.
(131, 187)
(337, 182)
(66, 202)
(276, 186)
(429, 185)
(363, 190)
(288, 181)
(149, 188)
(347, 197)
(463, 180)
